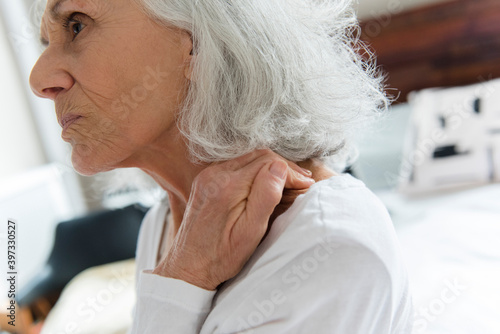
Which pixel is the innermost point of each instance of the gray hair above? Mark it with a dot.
(289, 75)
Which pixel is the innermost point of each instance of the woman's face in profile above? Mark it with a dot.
(117, 79)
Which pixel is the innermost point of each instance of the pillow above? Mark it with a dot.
(99, 300)
(454, 139)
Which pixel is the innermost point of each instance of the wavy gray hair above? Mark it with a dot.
(288, 75)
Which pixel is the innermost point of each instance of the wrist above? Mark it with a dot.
(171, 271)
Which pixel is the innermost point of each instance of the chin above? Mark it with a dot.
(87, 163)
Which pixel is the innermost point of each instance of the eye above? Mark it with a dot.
(76, 28)
(74, 25)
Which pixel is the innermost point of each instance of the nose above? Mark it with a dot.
(49, 77)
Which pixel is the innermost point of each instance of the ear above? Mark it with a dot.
(188, 67)
(189, 57)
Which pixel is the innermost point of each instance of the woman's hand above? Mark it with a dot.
(227, 216)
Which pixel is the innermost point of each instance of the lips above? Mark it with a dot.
(67, 120)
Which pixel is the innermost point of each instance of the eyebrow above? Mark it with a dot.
(54, 13)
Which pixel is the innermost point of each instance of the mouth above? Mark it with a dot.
(67, 120)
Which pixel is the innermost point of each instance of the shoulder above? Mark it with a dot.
(333, 255)
(340, 210)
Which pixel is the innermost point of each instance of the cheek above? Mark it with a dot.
(98, 145)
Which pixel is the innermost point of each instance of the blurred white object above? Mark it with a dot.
(450, 245)
(36, 200)
(99, 300)
(453, 139)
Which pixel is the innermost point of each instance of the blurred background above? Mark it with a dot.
(433, 159)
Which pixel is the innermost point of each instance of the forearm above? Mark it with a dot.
(167, 305)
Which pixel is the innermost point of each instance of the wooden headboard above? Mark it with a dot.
(450, 44)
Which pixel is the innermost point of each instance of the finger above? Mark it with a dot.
(264, 196)
(295, 180)
(299, 169)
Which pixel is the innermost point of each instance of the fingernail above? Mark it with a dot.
(307, 171)
(279, 169)
(307, 179)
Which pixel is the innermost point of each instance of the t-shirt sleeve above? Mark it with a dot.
(167, 305)
(342, 288)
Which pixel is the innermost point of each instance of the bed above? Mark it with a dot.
(451, 245)
(450, 238)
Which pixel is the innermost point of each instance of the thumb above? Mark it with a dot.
(267, 191)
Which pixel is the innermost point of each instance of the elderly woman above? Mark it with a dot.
(233, 107)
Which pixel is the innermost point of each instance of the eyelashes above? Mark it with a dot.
(73, 24)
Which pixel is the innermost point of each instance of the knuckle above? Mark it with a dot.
(211, 190)
(268, 152)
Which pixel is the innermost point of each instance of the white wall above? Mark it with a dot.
(368, 9)
(22, 31)
(20, 147)
(32, 191)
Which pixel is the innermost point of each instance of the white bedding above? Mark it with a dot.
(452, 246)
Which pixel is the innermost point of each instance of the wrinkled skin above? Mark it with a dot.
(118, 80)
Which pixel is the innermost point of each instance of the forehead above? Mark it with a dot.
(55, 8)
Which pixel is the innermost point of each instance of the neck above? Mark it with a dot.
(167, 162)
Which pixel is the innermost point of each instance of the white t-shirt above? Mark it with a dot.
(330, 264)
